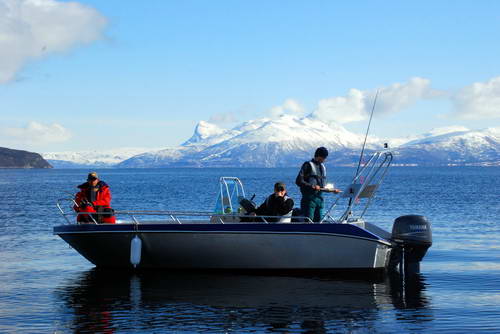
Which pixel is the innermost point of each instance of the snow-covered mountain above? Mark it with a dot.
(91, 158)
(290, 140)
(397, 142)
(264, 142)
(463, 147)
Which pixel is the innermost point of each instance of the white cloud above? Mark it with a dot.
(342, 109)
(35, 134)
(31, 29)
(478, 101)
(357, 104)
(289, 107)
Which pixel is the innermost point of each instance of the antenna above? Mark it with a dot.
(366, 135)
(364, 143)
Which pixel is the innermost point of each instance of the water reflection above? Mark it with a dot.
(105, 302)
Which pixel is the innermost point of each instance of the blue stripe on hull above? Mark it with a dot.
(338, 229)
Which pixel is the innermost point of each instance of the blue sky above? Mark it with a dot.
(109, 74)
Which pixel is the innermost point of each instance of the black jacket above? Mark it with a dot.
(275, 206)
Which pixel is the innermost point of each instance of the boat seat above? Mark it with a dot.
(286, 218)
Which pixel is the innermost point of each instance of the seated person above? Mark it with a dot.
(94, 196)
(277, 204)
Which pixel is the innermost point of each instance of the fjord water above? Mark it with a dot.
(47, 287)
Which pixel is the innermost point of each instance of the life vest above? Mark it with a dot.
(317, 175)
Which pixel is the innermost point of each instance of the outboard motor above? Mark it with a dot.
(413, 235)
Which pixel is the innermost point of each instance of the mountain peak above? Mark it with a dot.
(289, 140)
(202, 131)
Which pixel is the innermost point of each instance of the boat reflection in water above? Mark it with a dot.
(104, 301)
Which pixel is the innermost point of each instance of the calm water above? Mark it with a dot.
(47, 287)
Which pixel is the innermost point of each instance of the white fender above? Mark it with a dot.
(135, 251)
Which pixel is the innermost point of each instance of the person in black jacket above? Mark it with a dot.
(277, 204)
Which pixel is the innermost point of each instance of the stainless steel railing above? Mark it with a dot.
(178, 217)
(364, 185)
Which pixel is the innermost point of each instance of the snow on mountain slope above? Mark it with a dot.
(206, 134)
(445, 130)
(288, 129)
(264, 142)
(289, 140)
(281, 142)
(459, 147)
(396, 142)
(104, 158)
(161, 158)
(459, 139)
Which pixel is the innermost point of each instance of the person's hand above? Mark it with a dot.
(316, 187)
(337, 191)
(86, 203)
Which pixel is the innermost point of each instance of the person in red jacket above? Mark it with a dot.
(94, 196)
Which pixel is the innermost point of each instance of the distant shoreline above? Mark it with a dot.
(240, 167)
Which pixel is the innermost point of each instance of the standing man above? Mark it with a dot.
(311, 179)
(94, 196)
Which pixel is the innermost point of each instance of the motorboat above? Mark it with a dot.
(227, 238)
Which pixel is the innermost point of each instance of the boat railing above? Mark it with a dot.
(363, 186)
(66, 214)
(231, 190)
(175, 217)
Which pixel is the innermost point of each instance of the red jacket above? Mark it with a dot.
(99, 205)
(103, 196)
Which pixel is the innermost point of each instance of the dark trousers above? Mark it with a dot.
(312, 206)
